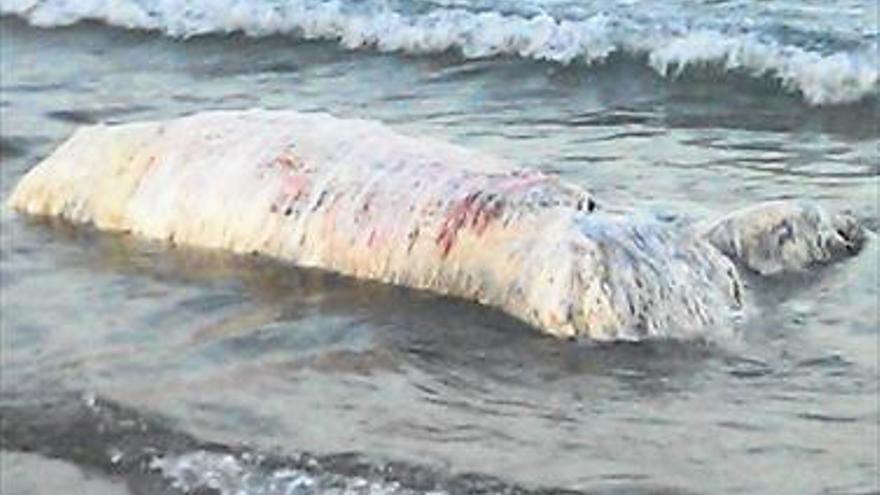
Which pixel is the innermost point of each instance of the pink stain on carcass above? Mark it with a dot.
(294, 181)
(294, 185)
(478, 210)
(473, 212)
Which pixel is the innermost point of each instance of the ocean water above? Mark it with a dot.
(128, 366)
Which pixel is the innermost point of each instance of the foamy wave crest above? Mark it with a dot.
(821, 78)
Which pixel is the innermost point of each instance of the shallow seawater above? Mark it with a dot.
(129, 366)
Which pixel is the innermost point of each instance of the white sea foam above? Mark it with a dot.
(670, 48)
(234, 475)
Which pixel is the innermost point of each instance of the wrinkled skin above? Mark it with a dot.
(782, 236)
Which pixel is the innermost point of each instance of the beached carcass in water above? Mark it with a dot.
(354, 197)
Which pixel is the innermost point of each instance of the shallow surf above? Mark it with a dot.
(251, 367)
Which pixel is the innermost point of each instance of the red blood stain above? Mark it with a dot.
(473, 212)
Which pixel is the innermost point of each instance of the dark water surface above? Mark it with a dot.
(131, 367)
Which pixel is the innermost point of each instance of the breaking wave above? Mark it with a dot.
(111, 439)
(821, 77)
(229, 474)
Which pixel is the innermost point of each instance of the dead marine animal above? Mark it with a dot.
(355, 197)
